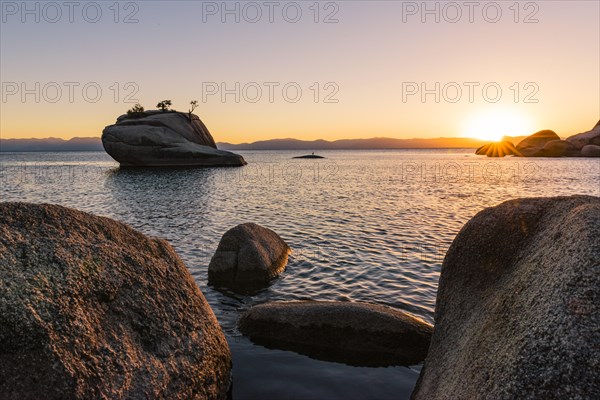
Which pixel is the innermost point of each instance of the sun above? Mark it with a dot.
(494, 124)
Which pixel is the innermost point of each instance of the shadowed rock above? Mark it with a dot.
(517, 312)
(498, 149)
(164, 139)
(248, 257)
(591, 137)
(590, 151)
(90, 308)
(352, 333)
(532, 145)
(559, 148)
(309, 156)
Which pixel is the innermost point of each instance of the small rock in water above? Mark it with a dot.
(248, 257)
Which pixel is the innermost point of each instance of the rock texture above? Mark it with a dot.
(500, 149)
(92, 309)
(353, 333)
(590, 151)
(164, 139)
(532, 145)
(517, 312)
(558, 148)
(248, 257)
(591, 137)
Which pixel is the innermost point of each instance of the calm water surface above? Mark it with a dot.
(364, 226)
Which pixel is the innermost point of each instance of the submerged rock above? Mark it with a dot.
(518, 305)
(352, 333)
(248, 257)
(90, 308)
(164, 139)
(532, 145)
(591, 137)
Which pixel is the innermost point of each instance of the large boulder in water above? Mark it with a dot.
(248, 257)
(352, 333)
(591, 137)
(164, 139)
(518, 305)
(92, 309)
(532, 145)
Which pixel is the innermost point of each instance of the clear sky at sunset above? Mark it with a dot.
(346, 69)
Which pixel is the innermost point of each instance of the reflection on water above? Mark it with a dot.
(364, 226)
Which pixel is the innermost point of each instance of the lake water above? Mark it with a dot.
(364, 226)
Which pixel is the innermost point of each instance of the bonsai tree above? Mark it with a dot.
(194, 104)
(164, 105)
(136, 110)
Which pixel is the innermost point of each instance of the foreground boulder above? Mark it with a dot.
(90, 308)
(591, 137)
(164, 139)
(248, 257)
(532, 145)
(353, 333)
(517, 312)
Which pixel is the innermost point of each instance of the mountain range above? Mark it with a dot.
(377, 143)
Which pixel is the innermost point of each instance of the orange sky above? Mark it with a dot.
(359, 77)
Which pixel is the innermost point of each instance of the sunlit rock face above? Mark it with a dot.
(92, 309)
(499, 149)
(591, 137)
(248, 257)
(532, 145)
(164, 139)
(518, 305)
(353, 333)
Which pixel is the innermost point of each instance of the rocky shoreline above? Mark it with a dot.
(93, 308)
(547, 143)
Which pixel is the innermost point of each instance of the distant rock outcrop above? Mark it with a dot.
(498, 149)
(591, 137)
(92, 309)
(353, 333)
(248, 257)
(164, 139)
(518, 305)
(532, 145)
(590, 150)
(558, 148)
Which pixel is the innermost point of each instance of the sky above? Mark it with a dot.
(305, 69)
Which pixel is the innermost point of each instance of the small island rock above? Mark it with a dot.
(92, 309)
(518, 305)
(248, 257)
(353, 333)
(164, 139)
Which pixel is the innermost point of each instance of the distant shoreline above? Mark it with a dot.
(378, 143)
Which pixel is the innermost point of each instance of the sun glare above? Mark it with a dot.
(495, 124)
